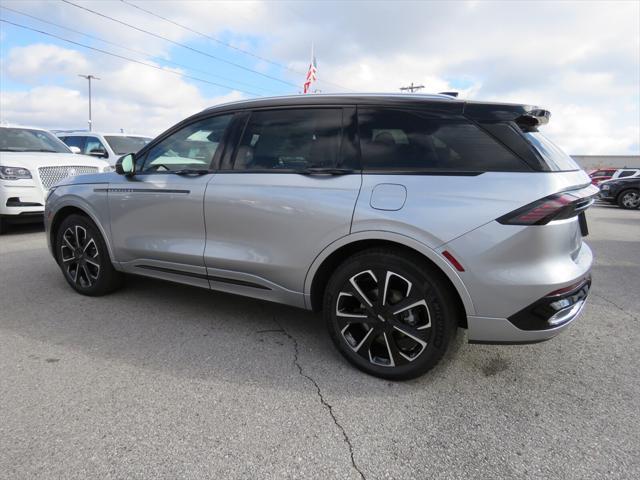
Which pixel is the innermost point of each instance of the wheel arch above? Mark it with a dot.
(328, 260)
(70, 208)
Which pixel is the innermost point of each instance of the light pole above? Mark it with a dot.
(89, 77)
(411, 88)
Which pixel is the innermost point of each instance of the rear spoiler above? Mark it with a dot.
(534, 118)
(526, 116)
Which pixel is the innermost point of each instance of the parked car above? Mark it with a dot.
(401, 217)
(623, 191)
(601, 174)
(626, 172)
(108, 146)
(31, 161)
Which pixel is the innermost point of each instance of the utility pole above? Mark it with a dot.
(412, 88)
(89, 78)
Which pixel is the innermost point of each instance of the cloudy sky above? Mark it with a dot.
(581, 60)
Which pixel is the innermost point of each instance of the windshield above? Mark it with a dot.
(121, 144)
(553, 155)
(27, 140)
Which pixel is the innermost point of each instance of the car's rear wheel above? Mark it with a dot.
(3, 226)
(389, 313)
(83, 257)
(629, 199)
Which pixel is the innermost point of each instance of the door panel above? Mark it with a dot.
(272, 225)
(272, 211)
(157, 218)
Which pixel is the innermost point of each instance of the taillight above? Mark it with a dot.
(553, 207)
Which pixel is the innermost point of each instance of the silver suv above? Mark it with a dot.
(401, 217)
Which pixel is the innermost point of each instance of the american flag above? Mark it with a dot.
(312, 75)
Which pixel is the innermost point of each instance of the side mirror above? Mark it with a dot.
(75, 149)
(98, 152)
(126, 165)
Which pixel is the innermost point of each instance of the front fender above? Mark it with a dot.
(90, 199)
(403, 240)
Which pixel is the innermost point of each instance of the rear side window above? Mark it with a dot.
(404, 140)
(289, 140)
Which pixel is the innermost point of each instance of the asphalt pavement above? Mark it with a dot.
(168, 381)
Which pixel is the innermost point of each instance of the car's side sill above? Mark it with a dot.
(231, 281)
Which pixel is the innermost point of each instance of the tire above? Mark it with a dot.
(399, 334)
(629, 199)
(3, 226)
(84, 259)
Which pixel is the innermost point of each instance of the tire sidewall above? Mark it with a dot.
(103, 283)
(431, 287)
(621, 196)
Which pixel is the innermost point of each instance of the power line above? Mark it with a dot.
(140, 52)
(221, 42)
(181, 44)
(122, 57)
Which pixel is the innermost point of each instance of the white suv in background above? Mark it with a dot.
(31, 161)
(626, 172)
(108, 146)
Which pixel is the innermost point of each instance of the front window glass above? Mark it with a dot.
(75, 141)
(554, 156)
(290, 140)
(94, 144)
(626, 173)
(192, 147)
(27, 140)
(122, 145)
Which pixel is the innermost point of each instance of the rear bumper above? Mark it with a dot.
(540, 321)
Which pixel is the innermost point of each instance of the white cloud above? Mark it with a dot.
(38, 62)
(133, 97)
(581, 60)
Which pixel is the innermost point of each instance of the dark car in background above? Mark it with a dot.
(623, 191)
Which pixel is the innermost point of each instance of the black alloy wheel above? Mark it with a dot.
(83, 257)
(389, 315)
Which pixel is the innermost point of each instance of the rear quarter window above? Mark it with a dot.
(413, 141)
(554, 156)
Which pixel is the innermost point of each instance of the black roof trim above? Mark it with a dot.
(500, 112)
(446, 102)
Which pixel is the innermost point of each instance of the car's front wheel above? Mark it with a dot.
(83, 257)
(390, 313)
(629, 199)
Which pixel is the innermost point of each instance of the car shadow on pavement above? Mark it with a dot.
(23, 228)
(181, 330)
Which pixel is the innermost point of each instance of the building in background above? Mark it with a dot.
(589, 162)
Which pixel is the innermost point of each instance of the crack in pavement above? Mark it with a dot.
(324, 403)
(616, 305)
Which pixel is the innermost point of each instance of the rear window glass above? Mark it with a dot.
(552, 154)
(403, 140)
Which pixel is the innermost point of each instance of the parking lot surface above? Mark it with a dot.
(168, 381)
